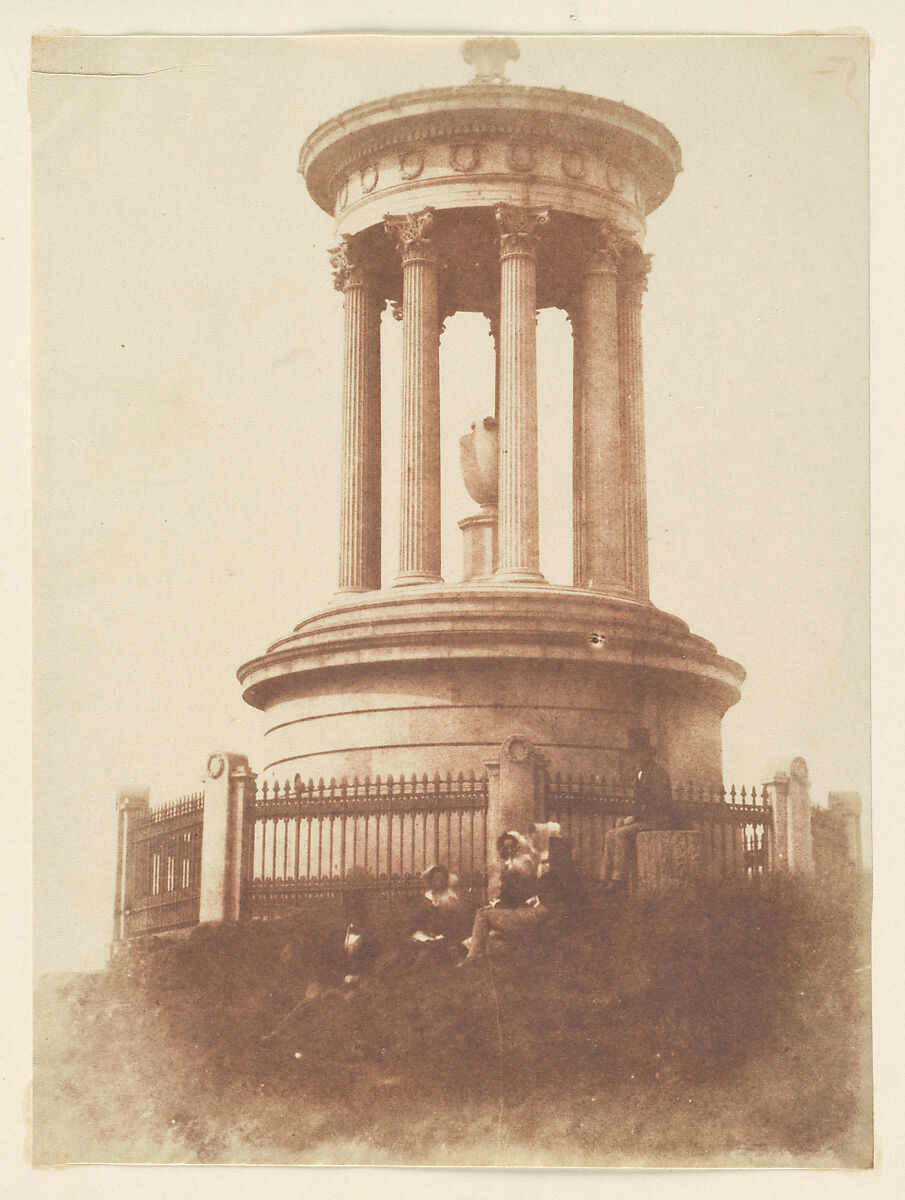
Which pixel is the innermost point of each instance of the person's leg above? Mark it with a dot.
(624, 850)
(509, 921)
(609, 844)
(480, 931)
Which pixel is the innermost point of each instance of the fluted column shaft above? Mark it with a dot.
(359, 535)
(633, 283)
(494, 319)
(579, 556)
(419, 518)
(518, 549)
(598, 428)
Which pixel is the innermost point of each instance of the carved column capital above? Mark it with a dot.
(347, 265)
(412, 235)
(607, 250)
(519, 228)
(634, 270)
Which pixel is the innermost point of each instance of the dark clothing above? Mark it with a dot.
(441, 914)
(562, 892)
(559, 895)
(518, 882)
(652, 808)
(652, 797)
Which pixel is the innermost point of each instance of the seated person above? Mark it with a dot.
(440, 917)
(557, 895)
(518, 869)
(541, 833)
(652, 809)
(360, 946)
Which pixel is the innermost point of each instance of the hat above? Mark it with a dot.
(428, 871)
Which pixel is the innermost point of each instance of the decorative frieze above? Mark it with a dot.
(569, 165)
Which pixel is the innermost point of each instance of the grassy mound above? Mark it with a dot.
(723, 1027)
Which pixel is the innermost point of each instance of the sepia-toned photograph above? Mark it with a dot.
(451, 601)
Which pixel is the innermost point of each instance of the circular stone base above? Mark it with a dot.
(433, 679)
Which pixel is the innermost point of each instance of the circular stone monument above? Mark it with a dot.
(495, 199)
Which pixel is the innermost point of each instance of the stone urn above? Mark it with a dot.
(478, 452)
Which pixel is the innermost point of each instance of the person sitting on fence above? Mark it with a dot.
(558, 897)
(440, 918)
(653, 809)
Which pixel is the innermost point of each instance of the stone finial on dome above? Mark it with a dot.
(489, 55)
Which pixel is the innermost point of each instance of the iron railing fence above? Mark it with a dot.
(737, 823)
(317, 841)
(321, 841)
(164, 882)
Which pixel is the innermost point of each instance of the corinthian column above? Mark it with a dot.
(579, 568)
(600, 559)
(518, 520)
(633, 283)
(419, 518)
(359, 534)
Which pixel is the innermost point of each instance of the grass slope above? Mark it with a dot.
(725, 1027)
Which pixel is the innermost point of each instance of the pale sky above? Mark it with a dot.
(187, 399)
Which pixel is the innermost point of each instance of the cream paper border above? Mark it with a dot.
(19, 20)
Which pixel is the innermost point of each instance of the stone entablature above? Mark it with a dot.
(480, 145)
(584, 183)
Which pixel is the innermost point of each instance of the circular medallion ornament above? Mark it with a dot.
(216, 765)
(411, 164)
(617, 178)
(465, 157)
(573, 164)
(516, 748)
(522, 156)
(369, 179)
